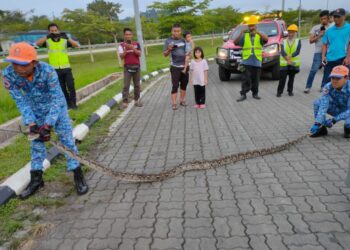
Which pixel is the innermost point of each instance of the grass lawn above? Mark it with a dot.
(105, 63)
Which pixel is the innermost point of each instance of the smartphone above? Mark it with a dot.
(324, 63)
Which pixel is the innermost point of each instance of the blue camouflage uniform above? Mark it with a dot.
(335, 103)
(41, 101)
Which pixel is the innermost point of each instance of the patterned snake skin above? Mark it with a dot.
(179, 169)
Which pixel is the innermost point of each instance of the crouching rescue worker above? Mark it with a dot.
(36, 90)
(335, 101)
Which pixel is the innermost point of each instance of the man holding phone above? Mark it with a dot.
(175, 46)
(316, 34)
(336, 47)
(130, 52)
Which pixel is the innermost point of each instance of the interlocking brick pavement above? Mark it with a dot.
(295, 199)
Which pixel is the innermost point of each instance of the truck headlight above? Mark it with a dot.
(271, 49)
(222, 53)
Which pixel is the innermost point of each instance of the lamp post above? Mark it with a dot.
(299, 19)
(139, 34)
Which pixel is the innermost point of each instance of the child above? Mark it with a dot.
(199, 76)
(289, 60)
(188, 49)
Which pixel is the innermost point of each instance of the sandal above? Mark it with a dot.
(183, 103)
(174, 107)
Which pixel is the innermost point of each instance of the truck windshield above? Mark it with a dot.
(269, 29)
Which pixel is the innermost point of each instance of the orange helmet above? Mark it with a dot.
(21, 53)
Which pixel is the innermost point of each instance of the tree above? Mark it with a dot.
(185, 12)
(105, 9)
(39, 22)
(220, 19)
(13, 21)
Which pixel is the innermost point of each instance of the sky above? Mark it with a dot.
(56, 6)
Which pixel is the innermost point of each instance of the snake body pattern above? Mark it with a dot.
(179, 169)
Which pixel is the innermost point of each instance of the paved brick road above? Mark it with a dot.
(295, 199)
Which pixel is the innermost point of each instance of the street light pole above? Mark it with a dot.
(283, 4)
(139, 34)
(299, 19)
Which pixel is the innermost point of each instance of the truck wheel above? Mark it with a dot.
(224, 74)
(276, 72)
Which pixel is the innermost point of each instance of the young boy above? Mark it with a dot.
(189, 47)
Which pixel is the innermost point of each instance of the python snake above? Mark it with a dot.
(179, 169)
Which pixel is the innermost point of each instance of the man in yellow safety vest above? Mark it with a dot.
(57, 44)
(252, 42)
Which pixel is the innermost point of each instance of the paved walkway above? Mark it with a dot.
(295, 199)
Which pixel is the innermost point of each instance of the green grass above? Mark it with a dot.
(105, 63)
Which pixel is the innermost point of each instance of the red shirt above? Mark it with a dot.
(131, 58)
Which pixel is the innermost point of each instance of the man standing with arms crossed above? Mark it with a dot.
(57, 44)
(252, 42)
(175, 46)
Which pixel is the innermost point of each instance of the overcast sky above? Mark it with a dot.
(41, 7)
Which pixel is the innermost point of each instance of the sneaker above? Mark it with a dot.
(196, 106)
(279, 95)
(321, 132)
(202, 106)
(307, 91)
(290, 94)
(346, 132)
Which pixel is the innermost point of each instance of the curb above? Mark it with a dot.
(17, 182)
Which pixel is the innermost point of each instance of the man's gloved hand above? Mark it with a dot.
(50, 35)
(33, 129)
(315, 128)
(64, 36)
(330, 122)
(45, 133)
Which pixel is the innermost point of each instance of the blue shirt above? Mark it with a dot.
(335, 102)
(40, 101)
(252, 60)
(337, 39)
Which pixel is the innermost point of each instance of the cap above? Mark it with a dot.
(339, 71)
(21, 53)
(339, 12)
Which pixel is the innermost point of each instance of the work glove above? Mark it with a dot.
(50, 35)
(330, 122)
(314, 129)
(64, 36)
(33, 129)
(45, 133)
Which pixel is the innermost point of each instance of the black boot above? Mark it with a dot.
(242, 98)
(36, 182)
(346, 132)
(80, 183)
(321, 132)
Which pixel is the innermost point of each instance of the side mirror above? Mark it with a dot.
(285, 33)
(225, 38)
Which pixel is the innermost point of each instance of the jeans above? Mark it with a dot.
(314, 68)
(328, 69)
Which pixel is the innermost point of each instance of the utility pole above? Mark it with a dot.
(139, 34)
(283, 4)
(299, 19)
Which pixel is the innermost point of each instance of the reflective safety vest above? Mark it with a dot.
(247, 47)
(58, 56)
(289, 51)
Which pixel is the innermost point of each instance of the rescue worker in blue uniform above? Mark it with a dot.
(36, 90)
(335, 101)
